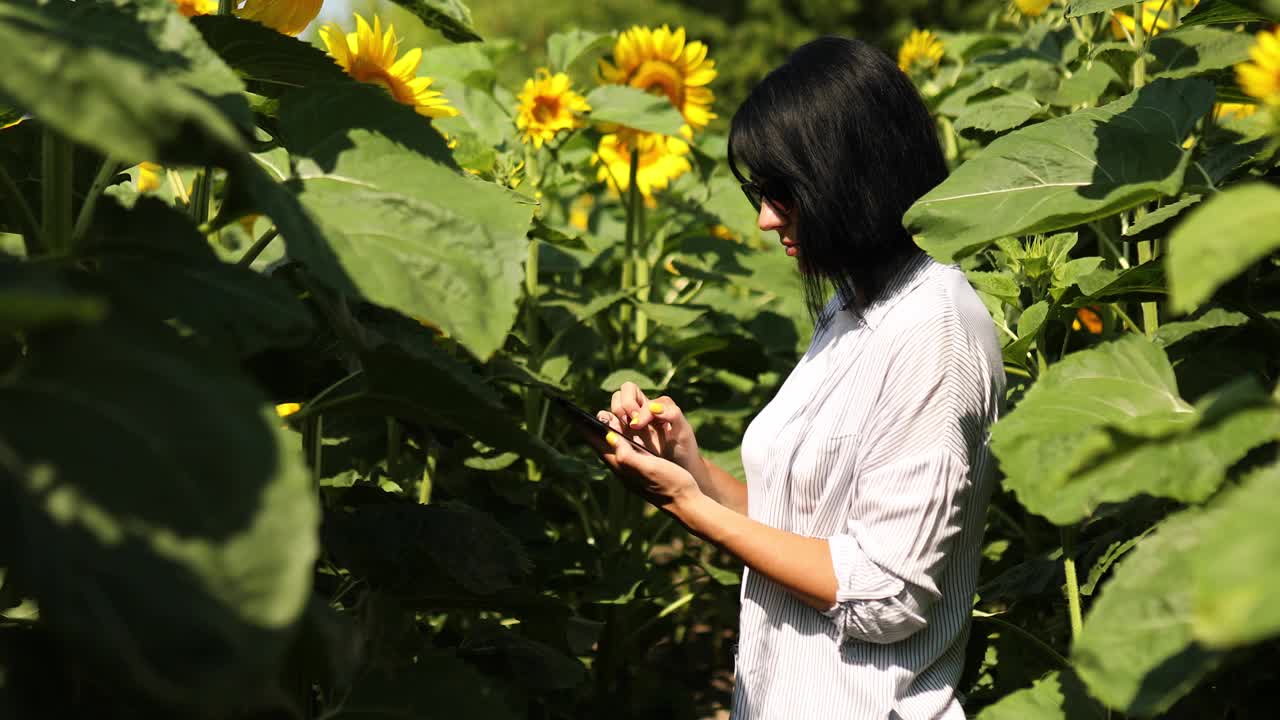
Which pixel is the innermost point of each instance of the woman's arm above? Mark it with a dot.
(800, 564)
(725, 488)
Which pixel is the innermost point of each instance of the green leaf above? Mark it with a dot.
(526, 663)
(153, 263)
(148, 465)
(1219, 240)
(1161, 215)
(451, 17)
(33, 297)
(1056, 696)
(1141, 282)
(408, 229)
(1220, 12)
(1029, 324)
(1076, 8)
(132, 81)
(1065, 171)
(1106, 424)
(1236, 578)
(564, 49)
(437, 686)
(634, 108)
(1171, 333)
(270, 63)
(998, 114)
(420, 552)
(1086, 85)
(1198, 49)
(674, 316)
(617, 377)
(1203, 582)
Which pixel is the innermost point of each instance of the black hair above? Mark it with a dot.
(841, 133)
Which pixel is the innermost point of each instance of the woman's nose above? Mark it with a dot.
(769, 219)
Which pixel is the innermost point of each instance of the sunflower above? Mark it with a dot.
(191, 8)
(369, 56)
(1261, 77)
(1156, 17)
(659, 61)
(921, 49)
(547, 106)
(286, 16)
(148, 176)
(580, 211)
(286, 409)
(662, 159)
(1032, 8)
(1087, 318)
(1239, 111)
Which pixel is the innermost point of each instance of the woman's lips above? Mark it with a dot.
(790, 245)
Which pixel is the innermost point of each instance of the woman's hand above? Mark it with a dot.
(660, 425)
(660, 481)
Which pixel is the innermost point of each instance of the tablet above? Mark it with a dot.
(589, 422)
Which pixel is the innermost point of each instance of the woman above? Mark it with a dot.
(868, 474)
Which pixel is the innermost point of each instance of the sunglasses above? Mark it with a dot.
(765, 192)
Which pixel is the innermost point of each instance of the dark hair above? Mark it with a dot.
(843, 135)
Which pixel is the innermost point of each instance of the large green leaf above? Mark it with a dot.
(1076, 8)
(270, 62)
(998, 114)
(133, 80)
(1107, 424)
(1219, 240)
(634, 108)
(1204, 582)
(1198, 49)
(1220, 12)
(32, 297)
(407, 229)
(451, 17)
(1056, 696)
(165, 531)
(1065, 171)
(421, 552)
(153, 263)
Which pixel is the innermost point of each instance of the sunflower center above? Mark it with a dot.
(546, 108)
(660, 78)
(370, 72)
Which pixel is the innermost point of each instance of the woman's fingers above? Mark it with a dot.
(632, 402)
(663, 409)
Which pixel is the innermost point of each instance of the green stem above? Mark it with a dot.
(226, 7)
(1128, 321)
(31, 236)
(56, 183)
(1139, 44)
(199, 207)
(256, 249)
(642, 273)
(1073, 584)
(317, 450)
(533, 396)
(629, 239)
(394, 438)
(105, 173)
(424, 489)
(1148, 250)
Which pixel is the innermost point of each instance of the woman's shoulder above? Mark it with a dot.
(945, 310)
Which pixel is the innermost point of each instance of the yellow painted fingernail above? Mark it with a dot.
(656, 407)
(634, 418)
(612, 439)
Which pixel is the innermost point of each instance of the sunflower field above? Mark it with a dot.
(279, 322)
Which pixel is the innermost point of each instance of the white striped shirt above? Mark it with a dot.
(876, 441)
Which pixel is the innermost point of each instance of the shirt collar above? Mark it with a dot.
(900, 284)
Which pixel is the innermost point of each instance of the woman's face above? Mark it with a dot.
(773, 216)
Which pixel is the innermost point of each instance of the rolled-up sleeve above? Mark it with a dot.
(912, 477)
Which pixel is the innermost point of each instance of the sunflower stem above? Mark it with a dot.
(32, 239)
(1140, 44)
(642, 272)
(58, 159)
(628, 249)
(1073, 586)
(256, 249)
(226, 7)
(533, 396)
(108, 170)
